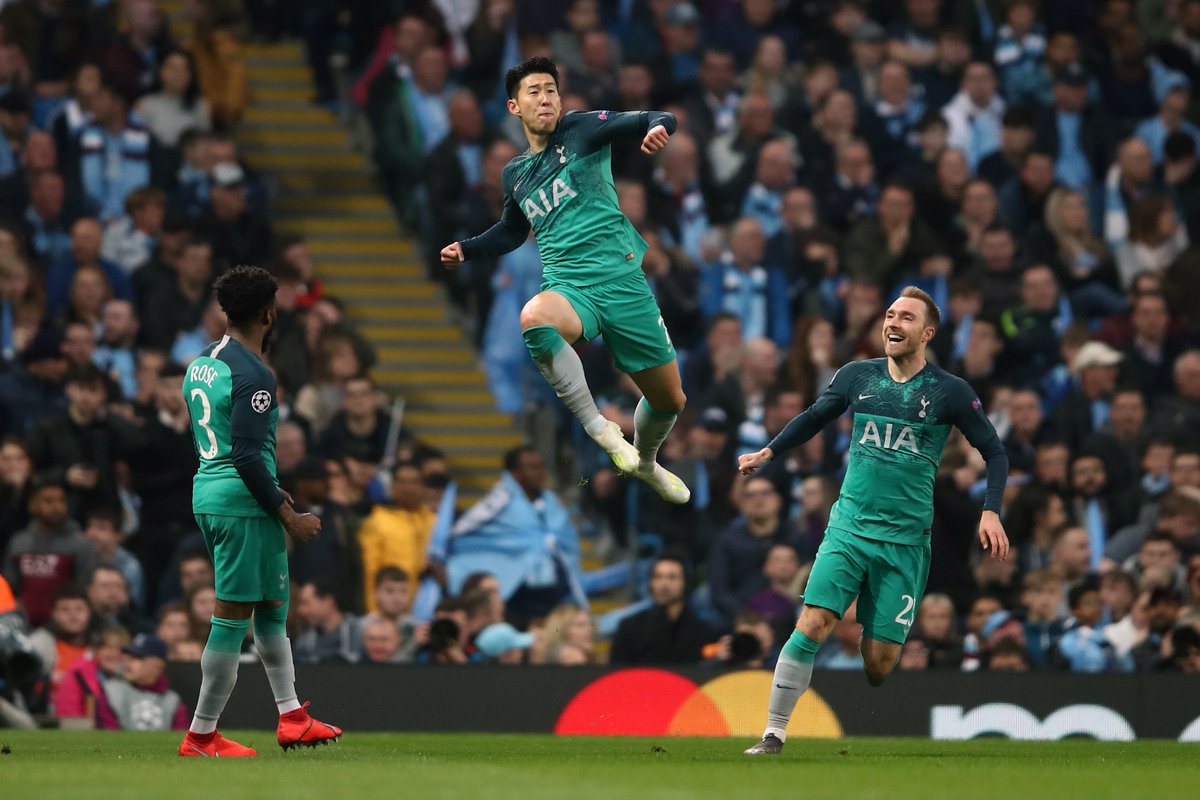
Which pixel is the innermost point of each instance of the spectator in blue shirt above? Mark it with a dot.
(741, 284)
(1169, 119)
(114, 154)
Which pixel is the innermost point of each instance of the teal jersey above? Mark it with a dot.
(566, 195)
(896, 446)
(230, 395)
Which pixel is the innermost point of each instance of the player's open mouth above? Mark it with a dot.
(895, 338)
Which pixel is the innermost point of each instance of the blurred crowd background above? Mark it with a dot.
(1033, 166)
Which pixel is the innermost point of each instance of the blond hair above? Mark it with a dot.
(933, 314)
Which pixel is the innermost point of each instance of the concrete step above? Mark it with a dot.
(470, 461)
(334, 227)
(279, 51)
(414, 334)
(391, 312)
(408, 356)
(281, 73)
(285, 95)
(427, 398)
(314, 140)
(467, 376)
(283, 117)
(327, 205)
(492, 420)
(358, 249)
(327, 183)
(367, 289)
(399, 269)
(284, 162)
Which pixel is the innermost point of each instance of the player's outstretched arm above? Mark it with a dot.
(505, 236)
(607, 127)
(832, 403)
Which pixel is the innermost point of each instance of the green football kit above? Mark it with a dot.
(591, 253)
(876, 547)
(230, 395)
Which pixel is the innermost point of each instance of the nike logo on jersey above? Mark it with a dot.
(865, 396)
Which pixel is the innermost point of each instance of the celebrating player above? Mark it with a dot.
(876, 547)
(592, 282)
(243, 515)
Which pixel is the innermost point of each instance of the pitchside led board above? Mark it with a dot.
(597, 701)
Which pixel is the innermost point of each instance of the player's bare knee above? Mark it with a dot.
(534, 314)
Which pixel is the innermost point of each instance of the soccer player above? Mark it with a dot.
(592, 281)
(876, 547)
(243, 515)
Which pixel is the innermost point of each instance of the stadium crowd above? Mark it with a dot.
(1033, 166)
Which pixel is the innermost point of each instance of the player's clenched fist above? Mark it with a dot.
(752, 461)
(656, 139)
(300, 527)
(452, 255)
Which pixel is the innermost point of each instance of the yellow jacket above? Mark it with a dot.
(393, 537)
(221, 74)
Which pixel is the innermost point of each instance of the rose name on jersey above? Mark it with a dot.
(202, 373)
(559, 191)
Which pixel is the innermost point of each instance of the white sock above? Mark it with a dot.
(220, 674)
(275, 652)
(650, 430)
(791, 680)
(564, 372)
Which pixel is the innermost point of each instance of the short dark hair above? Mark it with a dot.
(245, 293)
(1178, 146)
(933, 314)
(85, 375)
(513, 457)
(474, 581)
(476, 601)
(1160, 536)
(1017, 117)
(323, 588)
(1075, 595)
(536, 65)
(390, 573)
(406, 464)
(70, 591)
(107, 515)
(172, 369)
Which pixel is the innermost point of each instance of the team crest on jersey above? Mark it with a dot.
(603, 115)
(261, 400)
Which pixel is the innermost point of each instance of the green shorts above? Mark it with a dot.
(626, 313)
(887, 578)
(249, 557)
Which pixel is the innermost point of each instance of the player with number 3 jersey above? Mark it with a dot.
(592, 283)
(244, 517)
(876, 547)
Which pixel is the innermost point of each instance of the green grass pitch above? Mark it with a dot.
(53, 765)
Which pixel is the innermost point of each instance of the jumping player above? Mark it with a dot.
(876, 547)
(243, 515)
(592, 283)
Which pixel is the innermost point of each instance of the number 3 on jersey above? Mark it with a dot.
(205, 417)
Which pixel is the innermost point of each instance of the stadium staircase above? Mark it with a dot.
(327, 191)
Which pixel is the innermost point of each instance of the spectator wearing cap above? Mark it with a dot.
(51, 551)
(868, 48)
(83, 446)
(741, 284)
(130, 242)
(1169, 119)
(974, 114)
(176, 307)
(87, 238)
(141, 699)
(31, 389)
(504, 644)
(114, 154)
(1076, 132)
(1085, 409)
(238, 233)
